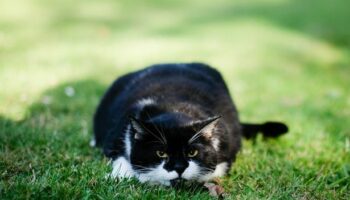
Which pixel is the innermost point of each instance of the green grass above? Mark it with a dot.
(282, 60)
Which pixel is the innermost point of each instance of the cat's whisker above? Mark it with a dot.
(161, 137)
(160, 133)
(207, 168)
(208, 171)
(196, 136)
(142, 168)
(150, 132)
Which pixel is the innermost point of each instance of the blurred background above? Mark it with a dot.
(286, 42)
(283, 60)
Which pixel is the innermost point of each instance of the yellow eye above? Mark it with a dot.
(162, 154)
(192, 153)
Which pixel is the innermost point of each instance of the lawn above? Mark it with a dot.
(283, 60)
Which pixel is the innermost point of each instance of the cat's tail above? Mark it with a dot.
(268, 129)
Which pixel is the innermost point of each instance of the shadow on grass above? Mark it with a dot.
(63, 112)
(46, 155)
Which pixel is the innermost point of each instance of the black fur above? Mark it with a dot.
(186, 96)
(268, 129)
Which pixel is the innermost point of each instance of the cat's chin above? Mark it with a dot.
(169, 183)
(158, 182)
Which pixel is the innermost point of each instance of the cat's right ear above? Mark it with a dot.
(138, 126)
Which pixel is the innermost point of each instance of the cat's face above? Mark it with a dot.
(164, 154)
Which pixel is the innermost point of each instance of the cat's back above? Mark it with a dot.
(194, 83)
(169, 81)
(175, 75)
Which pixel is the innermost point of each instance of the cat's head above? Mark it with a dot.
(170, 147)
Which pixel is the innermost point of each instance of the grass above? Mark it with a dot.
(282, 60)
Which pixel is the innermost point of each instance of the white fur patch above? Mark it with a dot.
(145, 102)
(127, 141)
(220, 170)
(192, 171)
(138, 129)
(122, 168)
(158, 175)
(215, 142)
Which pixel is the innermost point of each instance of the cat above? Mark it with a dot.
(172, 122)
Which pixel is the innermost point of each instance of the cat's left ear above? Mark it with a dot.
(206, 126)
(138, 126)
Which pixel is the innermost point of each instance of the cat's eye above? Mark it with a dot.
(162, 154)
(192, 153)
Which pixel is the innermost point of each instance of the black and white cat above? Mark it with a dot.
(170, 122)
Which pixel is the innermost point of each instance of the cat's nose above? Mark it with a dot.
(180, 168)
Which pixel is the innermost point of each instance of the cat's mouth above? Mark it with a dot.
(176, 182)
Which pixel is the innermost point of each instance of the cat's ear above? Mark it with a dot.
(206, 126)
(138, 126)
